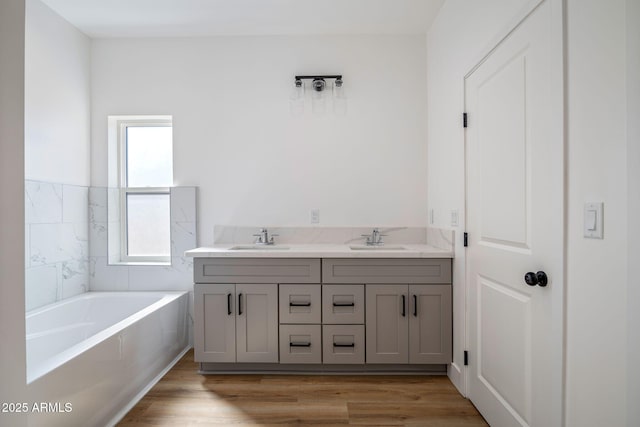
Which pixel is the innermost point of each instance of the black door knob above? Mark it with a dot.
(540, 278)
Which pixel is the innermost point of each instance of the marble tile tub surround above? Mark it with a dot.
(106, 275)
(439, 238)
(56, 242)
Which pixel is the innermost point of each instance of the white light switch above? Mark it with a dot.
(454, 217)
(593, 222)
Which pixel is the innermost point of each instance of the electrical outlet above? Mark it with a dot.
(454, 217)
(430, 216)
(315, 216)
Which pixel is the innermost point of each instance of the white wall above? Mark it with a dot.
(633, 192)
(596, 269)
(57, 80)
(12, 329)
(461, 31)
(235, 138)
(57, 77)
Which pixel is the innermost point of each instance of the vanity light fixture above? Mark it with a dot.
(319, 83)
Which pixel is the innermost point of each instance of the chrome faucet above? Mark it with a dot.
(375, 238)
(263, 238)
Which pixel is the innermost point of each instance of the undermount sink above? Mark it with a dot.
(258, 248)
(376, 248)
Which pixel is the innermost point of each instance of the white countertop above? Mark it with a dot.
(318, 251)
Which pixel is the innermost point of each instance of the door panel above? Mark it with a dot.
(504, 352)
(387, 324)
(501, 102)
(257, 323)
(514, 152)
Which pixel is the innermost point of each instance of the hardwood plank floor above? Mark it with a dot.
(185, 398)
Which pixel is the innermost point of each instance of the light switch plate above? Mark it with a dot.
(454, 217)
(593, 221)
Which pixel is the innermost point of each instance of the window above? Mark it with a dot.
(145, 173)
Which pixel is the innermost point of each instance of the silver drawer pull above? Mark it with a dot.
(300, 304)
(344, 345)
(299, 344)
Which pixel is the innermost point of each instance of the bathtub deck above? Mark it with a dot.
(185, 398)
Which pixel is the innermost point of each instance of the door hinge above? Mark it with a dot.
(466, 239)
(464, 120)
(466, 358)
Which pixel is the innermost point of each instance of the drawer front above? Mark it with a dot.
(300, 344)
(300, 304)
(386, 270)
(343, 344)
(342, 304)
(256, 270)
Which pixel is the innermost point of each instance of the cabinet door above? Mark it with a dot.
(257, 323)
(430, 332)
(387, 324)
(215, 323)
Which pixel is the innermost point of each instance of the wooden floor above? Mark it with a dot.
(185, 398)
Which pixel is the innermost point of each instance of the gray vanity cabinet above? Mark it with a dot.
(236, 323)
(312, 314)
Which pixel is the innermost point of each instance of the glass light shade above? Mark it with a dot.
(296, 99)
(318, 102)
(339, 99)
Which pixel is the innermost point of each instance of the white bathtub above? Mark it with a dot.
(96, 353)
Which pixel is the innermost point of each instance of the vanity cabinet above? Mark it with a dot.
(408, 323)
(236, 323)
(343, 314)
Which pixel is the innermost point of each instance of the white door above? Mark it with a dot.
(215, 323)
(387, 324)
(514, 146)
(257, 323)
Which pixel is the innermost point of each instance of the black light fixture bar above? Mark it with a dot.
(328, 76)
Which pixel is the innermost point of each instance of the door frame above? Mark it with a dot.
(558, 98)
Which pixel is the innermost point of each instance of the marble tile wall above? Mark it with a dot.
(105, 271)
(56, 242)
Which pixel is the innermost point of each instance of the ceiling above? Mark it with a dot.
(192, 18)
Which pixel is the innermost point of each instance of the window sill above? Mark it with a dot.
(139, 263)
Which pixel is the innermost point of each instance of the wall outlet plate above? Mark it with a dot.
(315, 216)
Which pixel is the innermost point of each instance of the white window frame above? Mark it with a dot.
(125, 189)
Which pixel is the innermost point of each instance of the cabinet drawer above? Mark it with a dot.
(300, 304)
(256, 270)
(342, 304)
(343, 344)
(385, 270)
(300, 344)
